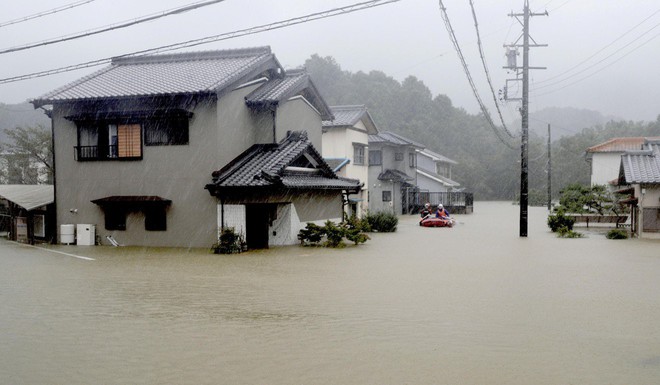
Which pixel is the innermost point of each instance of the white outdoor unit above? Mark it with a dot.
(86, 235)
(67, 234)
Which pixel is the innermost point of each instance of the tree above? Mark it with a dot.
(29, 155)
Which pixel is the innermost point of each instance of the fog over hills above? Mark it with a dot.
(564, 121)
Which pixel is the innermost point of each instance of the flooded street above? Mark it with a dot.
(474, 304)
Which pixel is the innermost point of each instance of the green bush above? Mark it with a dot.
(382, 222)
(617, 234)
(565, 232)
(230, 242)
(559, 220)
(352, 229)
(312, 234)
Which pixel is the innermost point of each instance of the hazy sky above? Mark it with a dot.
(601, 55)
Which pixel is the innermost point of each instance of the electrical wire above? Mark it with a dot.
(45, 13)
(111, 27)
(598, 70)
(483, 61)
(209, 39)
(603, 48)
(457, 47)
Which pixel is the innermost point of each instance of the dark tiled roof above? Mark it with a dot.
(293, 83)
(345, 116)
(387, 137)
(394, 175)
(337, 164)
(153, 75)
(270, 165)
(641, 167)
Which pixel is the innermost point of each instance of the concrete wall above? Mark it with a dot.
(605, 167)
(428, 184)
(298, 115)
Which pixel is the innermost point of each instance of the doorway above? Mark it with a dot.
(257, 222)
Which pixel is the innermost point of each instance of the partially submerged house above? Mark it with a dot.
(147, 147)
(392, 171)
(27, 212)
(640, 171)
(345, 148)
(434, 172)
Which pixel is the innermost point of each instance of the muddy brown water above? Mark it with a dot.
(475, 304)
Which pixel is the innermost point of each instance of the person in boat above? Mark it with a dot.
(426, 211)
(442, 212)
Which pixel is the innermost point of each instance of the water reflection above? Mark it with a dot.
(474, 304)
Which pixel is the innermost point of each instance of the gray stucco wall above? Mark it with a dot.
(298, 115)
(178, 173)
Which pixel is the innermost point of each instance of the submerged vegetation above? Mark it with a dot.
(382, 222)
(333, 234)
(617, 234)
(230, 242)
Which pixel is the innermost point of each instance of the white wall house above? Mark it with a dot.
(345, 144)
(605, 158)
(434, 172)
(641, 171)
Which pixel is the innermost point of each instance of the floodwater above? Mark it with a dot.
(474, 304)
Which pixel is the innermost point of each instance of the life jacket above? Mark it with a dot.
(441, 213)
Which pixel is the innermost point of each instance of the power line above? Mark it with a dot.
(483, 61)
(484, 110)
(45, 13)
(598, 70)
(111, 27)
(210, 39)
(605, 47)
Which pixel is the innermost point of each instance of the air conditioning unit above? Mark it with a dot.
(86, 235)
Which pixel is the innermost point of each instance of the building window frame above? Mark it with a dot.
(375, 157)
(359, 154)
(387, 195)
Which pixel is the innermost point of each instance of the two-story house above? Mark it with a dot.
(392, 171)
(164, 150)
(345, 147)
(434, 172)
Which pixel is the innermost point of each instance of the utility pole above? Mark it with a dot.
(524, 110)
(549, 171)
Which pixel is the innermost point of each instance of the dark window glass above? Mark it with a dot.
(398, 156)
(155, 219)
(115, 219)
(375, 158)
(166, 132)
(387, 196)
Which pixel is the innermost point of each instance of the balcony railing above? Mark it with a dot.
(90, 153)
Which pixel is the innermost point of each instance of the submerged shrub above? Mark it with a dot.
(382, 222)
(333, 233)
(617, 234)
(230, 242)
(565, 232)
(559, 220)
(312, 234)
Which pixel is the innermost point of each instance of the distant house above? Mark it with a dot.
(434, 172)
(165, 150)
(27, 212)
(640, 170)
(345, 148)
(605, 158)
(392, 171)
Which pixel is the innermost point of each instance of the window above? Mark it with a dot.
(358, 154)
(412, 158)
(375, 157)
(155, 219)
(387, 196)
(104, 141)
(166, 132)
(651, 220)
(115, 219)
(39, 226)
(442, 169)
(398, 156)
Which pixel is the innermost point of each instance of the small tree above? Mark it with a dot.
(29, 154)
